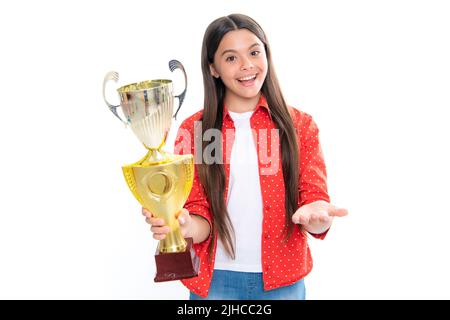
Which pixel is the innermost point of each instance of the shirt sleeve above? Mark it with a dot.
(313, 175)
(197, 203)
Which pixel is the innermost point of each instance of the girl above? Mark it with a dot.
(251, 207)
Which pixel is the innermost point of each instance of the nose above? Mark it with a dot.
(246, 64)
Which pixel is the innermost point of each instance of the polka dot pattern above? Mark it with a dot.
(283, 263)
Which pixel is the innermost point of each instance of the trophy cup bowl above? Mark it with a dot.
(160, 181)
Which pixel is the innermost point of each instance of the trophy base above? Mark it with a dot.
(177, 265)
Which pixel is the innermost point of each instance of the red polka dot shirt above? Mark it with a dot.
(283, 263)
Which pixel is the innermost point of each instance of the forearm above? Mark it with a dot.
(200, 229)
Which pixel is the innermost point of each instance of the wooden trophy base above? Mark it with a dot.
(177, 265)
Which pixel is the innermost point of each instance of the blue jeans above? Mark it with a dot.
(234, 285)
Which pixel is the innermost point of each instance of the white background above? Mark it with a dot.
(375, 75)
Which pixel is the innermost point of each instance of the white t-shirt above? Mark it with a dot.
(244, 201)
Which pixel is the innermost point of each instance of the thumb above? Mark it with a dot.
(183, 216)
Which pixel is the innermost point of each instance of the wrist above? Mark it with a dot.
(199, 229)
(318, 228)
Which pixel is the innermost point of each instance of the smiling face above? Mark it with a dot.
(241, 63)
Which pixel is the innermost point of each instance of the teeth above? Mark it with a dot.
(248, 78)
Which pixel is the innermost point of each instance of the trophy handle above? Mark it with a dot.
(175, 64)
(112, 75)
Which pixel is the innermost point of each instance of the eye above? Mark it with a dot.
(255, 53)
(230, 58)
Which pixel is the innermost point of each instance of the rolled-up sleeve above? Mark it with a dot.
(313, 174)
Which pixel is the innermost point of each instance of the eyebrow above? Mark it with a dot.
(231, 50)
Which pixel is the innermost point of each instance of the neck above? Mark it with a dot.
(239, 104)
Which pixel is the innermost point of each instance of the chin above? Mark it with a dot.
(250, 93)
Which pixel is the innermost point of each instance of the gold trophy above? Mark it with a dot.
(160, 181)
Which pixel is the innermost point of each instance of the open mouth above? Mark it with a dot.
(247, 81)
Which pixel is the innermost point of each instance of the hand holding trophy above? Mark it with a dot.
(160, 181)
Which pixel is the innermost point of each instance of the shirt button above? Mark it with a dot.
(266, 236)
(267, 207)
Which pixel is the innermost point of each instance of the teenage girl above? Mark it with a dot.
(261, 188)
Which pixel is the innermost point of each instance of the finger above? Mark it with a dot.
(146, 213)
(161, 230)
(300, 218)
(183, 216)
(324, 218)
(182, 212)
(337, 212)
(159, 236)
(155, 222)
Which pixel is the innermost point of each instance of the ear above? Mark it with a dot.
(213, 71)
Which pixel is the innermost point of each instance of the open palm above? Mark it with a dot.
(317, 214)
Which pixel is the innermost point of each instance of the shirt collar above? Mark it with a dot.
(262, 103)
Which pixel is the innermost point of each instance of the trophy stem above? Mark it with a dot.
(173, 242)
(155, 157)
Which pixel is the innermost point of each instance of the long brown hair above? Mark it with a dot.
(212, 176)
